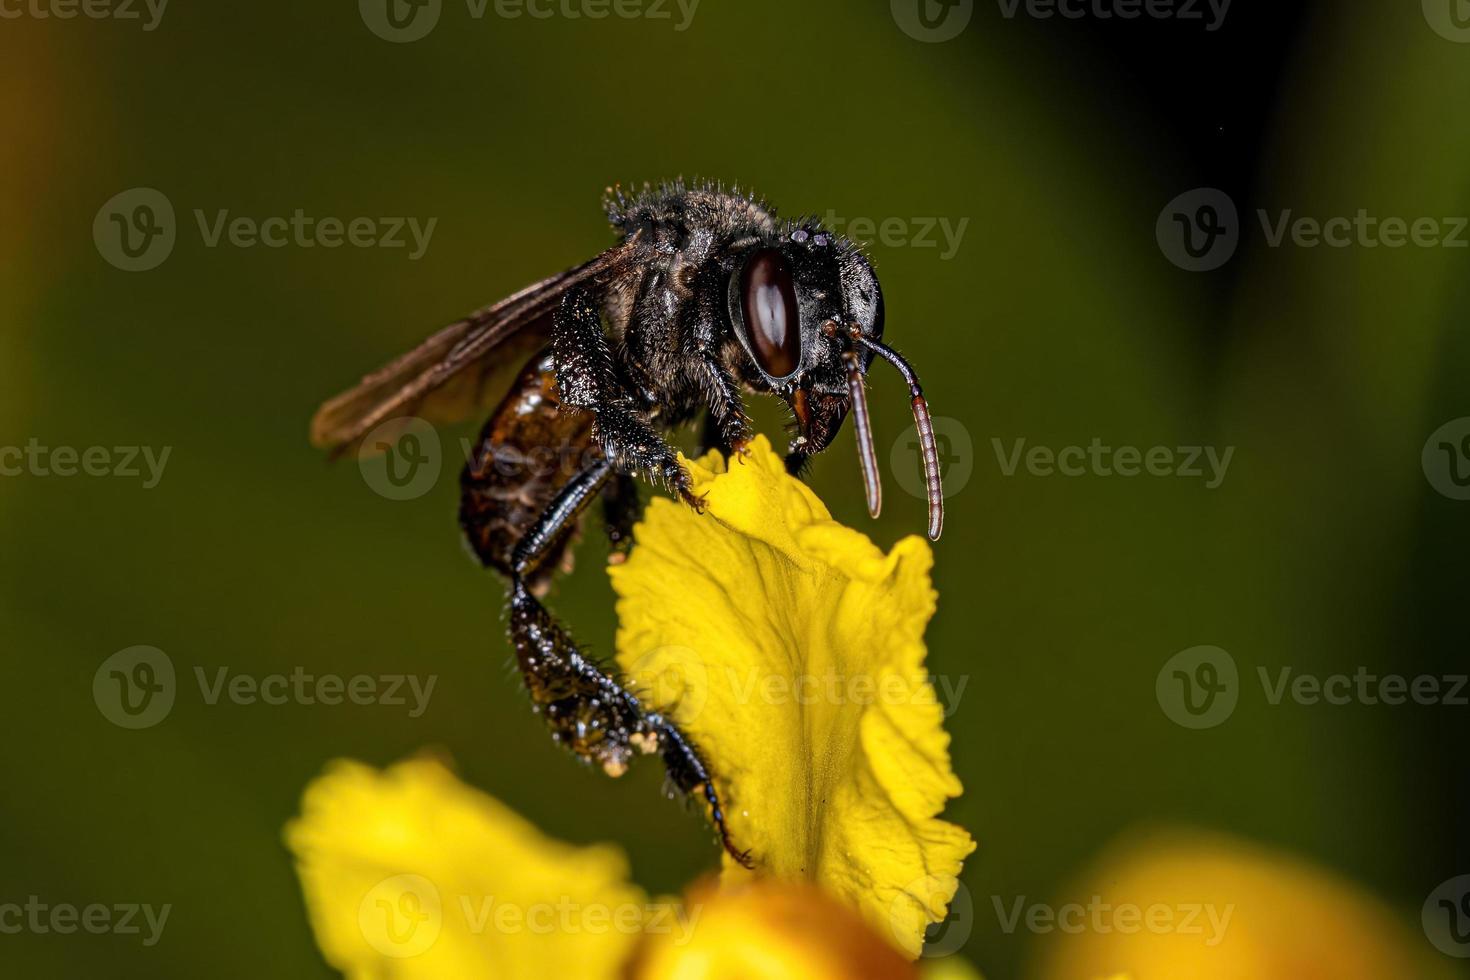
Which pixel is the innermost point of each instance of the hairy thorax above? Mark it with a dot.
(688, 240)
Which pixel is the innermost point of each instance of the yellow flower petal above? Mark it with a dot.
(790, 648)
(766, 930)
(1210, 907)
(409, 873)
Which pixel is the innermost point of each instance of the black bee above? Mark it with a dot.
(706, 296)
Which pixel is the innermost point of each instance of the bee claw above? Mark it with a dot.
(700, 502)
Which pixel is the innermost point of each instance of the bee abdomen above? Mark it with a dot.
(527, 452)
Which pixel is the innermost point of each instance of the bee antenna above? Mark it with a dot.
(922, 422)
(863, 426)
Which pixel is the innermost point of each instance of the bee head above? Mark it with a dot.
(782, 294)
(808, 311)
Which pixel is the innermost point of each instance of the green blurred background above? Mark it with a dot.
(1057, 320)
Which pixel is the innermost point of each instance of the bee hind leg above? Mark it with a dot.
(584, 708)
(688, 773)
(587, 710)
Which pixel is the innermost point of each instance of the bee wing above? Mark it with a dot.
(444, 378)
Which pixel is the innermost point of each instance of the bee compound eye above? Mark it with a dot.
(768, 303)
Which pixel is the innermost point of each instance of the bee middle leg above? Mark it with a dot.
(712, 436)
(586, 709)
(621, 509)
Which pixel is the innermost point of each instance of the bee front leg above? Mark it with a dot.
(726, 421)
(586, 378)
(632, 444)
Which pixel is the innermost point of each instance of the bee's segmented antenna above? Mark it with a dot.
(925, 426)
(857, 394)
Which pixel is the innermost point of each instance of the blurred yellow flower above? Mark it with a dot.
(1205, 907)
(766, 928)
(408, 873)
(790, 648)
